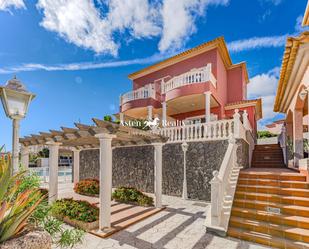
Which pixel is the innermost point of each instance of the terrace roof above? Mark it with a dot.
(82, 136)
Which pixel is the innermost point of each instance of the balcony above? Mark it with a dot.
(148, 91)
(194, 76)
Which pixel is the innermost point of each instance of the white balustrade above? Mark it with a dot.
(200, 75)
(216, 130)
(148, 91)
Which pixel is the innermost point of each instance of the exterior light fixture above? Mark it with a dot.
(15, 100)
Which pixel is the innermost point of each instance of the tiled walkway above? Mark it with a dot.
(179, 226)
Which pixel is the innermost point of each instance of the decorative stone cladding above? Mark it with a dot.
(134, 166)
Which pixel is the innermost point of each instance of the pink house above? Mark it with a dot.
(196, 86)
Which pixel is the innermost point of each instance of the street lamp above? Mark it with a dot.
(15, 99)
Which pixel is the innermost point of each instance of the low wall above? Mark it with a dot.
(134, 166)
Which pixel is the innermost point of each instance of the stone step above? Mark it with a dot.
(292, 200)
(275, 183)
(280, 219)
(273, 176)
(281, 231)
(273, 190)
(266, 239)
(262, 205)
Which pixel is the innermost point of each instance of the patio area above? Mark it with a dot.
(179, 225)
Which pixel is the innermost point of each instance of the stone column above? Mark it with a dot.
(207, 106)
(236, 118)
(246, 121)
(15, 145)
(53, 171)
(149, 112)
(76, 165)
(298, 136)
(164, 116)
(158, 174)
(24, 159)
(106, 156)
(184, 147)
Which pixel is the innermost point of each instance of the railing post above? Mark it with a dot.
(236, 118)
(215, 198)
(283, 143)
(246, 121)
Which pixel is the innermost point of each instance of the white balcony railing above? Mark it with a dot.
(216, 130)
(200, 75)
(148, 91)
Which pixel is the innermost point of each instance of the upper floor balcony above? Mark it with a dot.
(148, 91)
(194, 76)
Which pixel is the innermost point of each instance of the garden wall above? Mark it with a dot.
(134, 166)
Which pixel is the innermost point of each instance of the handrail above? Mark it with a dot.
(199, 75)
(223, 186)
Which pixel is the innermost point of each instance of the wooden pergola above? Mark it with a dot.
(102, 135)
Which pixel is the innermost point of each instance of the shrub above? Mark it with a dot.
(75, 210)
(132, 195)
(265, 134)
(89, 187)
(16, 203)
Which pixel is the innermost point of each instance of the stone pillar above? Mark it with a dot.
(149, 112)
(53, 171)
(164, 116)
(207, 106)
(24, 158)
(106, 156)
(236, 118)
(158, 174)
(76, 165)
(184, 147)
(298, 136)
(15, 145)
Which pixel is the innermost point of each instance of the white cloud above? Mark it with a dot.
(82, 66)
(257, 42)
(7, 4)
(274, 2)
(97, 27)
(178, 18)
(79, 22)
(264, 86)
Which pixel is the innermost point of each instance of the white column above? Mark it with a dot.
(121, 117)
(24, 157)
(184, 147)
(298, 136)
(207, 106)
(106, 157)
(158, 174)
(149, 112)
(76, 165)
(53, 170)
(15, 145)
(164, 116)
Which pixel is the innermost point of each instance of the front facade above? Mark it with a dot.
(292, 94)
(196, 86)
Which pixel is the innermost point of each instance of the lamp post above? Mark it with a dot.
(184, 147)
(15, 99)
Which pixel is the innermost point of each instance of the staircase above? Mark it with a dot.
(271, 203)
(267, 156)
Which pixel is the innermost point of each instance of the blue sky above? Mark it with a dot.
(76, 54)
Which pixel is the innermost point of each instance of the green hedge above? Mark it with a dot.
(75, 210)
(132, 195)
(265, 134)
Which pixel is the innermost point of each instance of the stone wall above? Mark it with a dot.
(134, 166)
